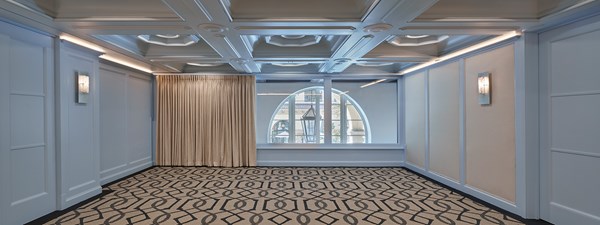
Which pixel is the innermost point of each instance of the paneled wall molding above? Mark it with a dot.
(78, 172)
(27, 133)
(569, 124)
(125, 121)
(524, 189)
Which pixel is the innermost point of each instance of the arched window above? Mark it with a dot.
(299, 119)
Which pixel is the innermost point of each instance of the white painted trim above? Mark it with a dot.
(527, 126)
(81, 196)
(426, 96)
(327, 88)
(125, 173)
(462, 122)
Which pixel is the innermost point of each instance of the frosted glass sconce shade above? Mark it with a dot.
(83, 88)
(484, 88)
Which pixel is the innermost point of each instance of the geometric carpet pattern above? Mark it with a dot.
(278, 195)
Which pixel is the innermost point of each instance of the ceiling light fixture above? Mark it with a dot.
(125, 63)
(373, 83)
(475, 47)
(81, 42)
(378, 27)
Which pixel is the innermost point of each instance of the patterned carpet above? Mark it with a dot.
(200, 195)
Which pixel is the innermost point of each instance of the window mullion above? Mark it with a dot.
(292, 116)
(327, 102)
(343, 120)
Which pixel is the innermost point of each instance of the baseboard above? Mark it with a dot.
(466, 190)
(68, 201)
(330, 163)
(562, 214)
(124, 173)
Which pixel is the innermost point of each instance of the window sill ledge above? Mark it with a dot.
(330, 146)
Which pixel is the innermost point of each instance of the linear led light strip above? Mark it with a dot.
(125, 63)
(372, 83)
(81, 42)
(475, 47)
(106, 56)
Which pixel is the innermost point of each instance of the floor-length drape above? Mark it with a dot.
(206, 121)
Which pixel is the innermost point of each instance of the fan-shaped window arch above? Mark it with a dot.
(299, 119)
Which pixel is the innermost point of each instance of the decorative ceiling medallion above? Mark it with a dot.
(342, 60)
(289, 64)
(212, 27)
(239, 61)
(293, 40)
(415, 40)
(206, 64)
(374, 64)
(378, 27)
(169, 40)
(293, 36)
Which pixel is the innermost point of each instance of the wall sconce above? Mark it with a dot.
(484, 88)
(83, 88)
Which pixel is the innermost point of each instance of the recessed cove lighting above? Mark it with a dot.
(417, 36)
(169, 40)
(81, 42)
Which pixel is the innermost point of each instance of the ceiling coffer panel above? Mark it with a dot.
(307, 10)
(493, 9)
(105, 10)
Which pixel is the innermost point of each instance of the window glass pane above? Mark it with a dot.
(367, 111)
(289, 112)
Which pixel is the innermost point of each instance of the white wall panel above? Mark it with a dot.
(577, 123)
(139, 93)
(113, 121)
(27, 114)
(444, 120)
(414, 85)
(570, 123)
(79, 167)
(125, 122)
(27, 163)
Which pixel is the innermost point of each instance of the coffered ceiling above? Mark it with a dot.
(288, 36)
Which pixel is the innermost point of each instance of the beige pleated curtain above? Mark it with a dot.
(206, 121)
